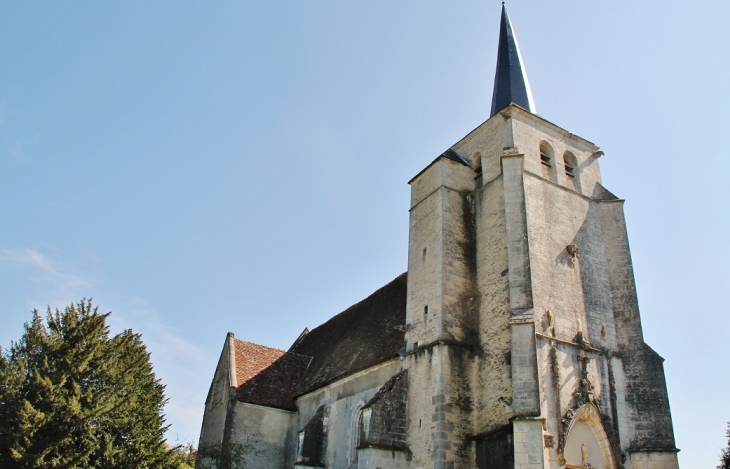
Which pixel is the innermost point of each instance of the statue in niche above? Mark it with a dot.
(584, 455)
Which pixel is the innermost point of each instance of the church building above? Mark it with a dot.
(513, 340)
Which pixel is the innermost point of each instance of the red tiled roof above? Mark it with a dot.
(267, 376)
(252, 358)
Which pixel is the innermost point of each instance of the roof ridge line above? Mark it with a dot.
(287, 352)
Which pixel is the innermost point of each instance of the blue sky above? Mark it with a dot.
(199, 168)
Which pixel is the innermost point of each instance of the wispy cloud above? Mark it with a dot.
(184, 368)
(42, 269)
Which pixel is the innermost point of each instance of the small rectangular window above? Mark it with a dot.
(425, 310)
(545, 159)
(300, 446)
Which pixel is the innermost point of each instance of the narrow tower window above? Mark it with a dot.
(571, 170)
(300, 446)
(425, 310)
(569, 161)
(547, 161)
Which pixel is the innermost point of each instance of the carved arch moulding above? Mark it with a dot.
(587, 440)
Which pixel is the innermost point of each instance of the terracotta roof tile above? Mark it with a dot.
(267, 376)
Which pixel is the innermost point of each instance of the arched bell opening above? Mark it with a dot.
(588, 443)
(572, 176)
(547, 160)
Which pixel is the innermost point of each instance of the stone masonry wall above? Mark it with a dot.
(216, 404)
(422, 365)
(313, 439)
(653, 460)
(572, 292)
(648, 415)
(439, 264)
(442, 316)
(529, 131)
(458, 315)
(377, 458)
(496, 450)
(384, 425)
(525, 385)
(624, 299)
(528, 438)
(263, 433)
(439, 407)
(590, 344)
(492, 381)
(562, 367)
(424, 255)
(343, 398)
(518, 248)
(486, 141)
(571, 295)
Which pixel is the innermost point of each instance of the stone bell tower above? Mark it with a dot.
(524, 340)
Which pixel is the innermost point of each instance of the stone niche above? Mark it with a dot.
(587, 444)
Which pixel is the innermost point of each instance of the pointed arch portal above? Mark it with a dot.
(587, 444)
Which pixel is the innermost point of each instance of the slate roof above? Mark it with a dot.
(267, 376)
(449, 155)
(363, 335)
(510, 79)
(453, 156)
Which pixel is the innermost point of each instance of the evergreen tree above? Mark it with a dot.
(73, 397)
(725, 456)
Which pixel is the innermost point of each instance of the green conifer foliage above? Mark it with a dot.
(725, 455)
(72, 396)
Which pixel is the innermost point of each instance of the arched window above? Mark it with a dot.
(570, 163)
(545, 157)
(547, 161)
(355, 427)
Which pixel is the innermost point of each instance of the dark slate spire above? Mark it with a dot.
(510, 79)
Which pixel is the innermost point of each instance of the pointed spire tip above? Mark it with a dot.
(510, 79)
